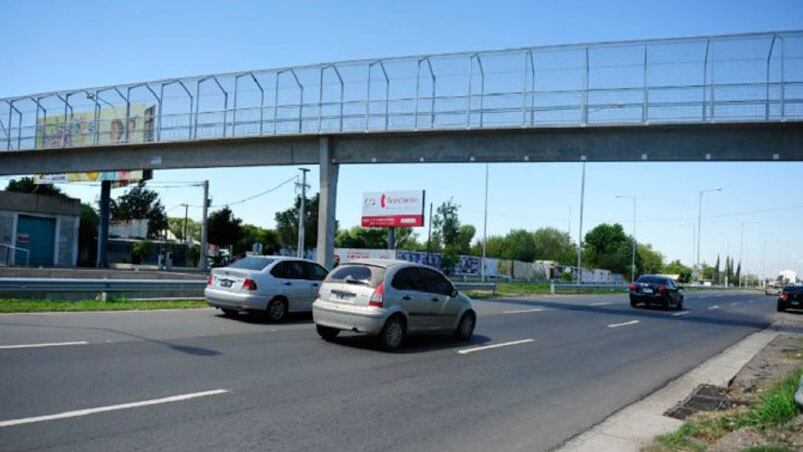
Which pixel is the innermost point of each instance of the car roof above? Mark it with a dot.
(384, 263)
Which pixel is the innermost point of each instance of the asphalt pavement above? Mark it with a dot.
(538, 371)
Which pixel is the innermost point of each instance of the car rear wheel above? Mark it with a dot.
(327, 333)
(392, 334)
(277, 310)
(781, 307)
(229, 312)
(465, 328)
(680, 304)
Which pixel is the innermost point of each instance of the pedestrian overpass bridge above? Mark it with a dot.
(711, 98)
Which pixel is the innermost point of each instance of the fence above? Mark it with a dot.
(733, 78)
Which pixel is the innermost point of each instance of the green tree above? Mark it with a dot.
(554, 245)
(359, 237)
(446, 233)
(141, 203)
(465, 234)
(717, 272)
(27, 185)
(287, 224)
(176, 225)
(650, 260)
(224, 228)
(251, 234)
(677, 268)
(738, 276)
(87, 233)
(607, 246)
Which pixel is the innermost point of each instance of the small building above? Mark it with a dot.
(38, 230)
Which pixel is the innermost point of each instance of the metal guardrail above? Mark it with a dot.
(98, 285)
(730, 78)
(475, 286)
(554, 288)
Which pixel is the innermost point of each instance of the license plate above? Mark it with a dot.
(646, 290)
(225, 283)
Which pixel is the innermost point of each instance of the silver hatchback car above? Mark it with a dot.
(390, 299)
(273, 285)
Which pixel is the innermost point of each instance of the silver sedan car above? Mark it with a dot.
(390, 299)
(273, 285)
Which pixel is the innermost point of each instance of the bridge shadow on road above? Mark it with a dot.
(190, 350)
(696, 315)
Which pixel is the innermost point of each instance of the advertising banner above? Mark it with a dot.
(90, 176)
(393, 209)
(81, 128)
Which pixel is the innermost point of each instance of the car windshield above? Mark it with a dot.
(367, 275)
(252, 263)
(651, 280)
(793, 289)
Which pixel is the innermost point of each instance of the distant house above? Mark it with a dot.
(38, 230)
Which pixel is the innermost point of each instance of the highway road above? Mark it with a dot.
(539, 371)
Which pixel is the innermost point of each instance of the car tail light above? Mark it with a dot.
(249, 284)
(783, 296)
(209, 280)
(377, 298)
(632, 287)
(662, 289)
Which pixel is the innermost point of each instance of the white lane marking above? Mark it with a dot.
(617, 325)
(523, 311)
(52, 344)
(102, 409)
(602, 303)
(681, 313)
(716, 306)
(488, 347)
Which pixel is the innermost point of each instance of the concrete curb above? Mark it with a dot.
(799, 393)
(635, 426)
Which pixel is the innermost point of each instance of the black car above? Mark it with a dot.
(790, 297)
(656, 290)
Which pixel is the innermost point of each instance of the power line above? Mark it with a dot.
(249, 198)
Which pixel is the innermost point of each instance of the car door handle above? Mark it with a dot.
(288, 283)
(436, 299)
(406, 298)
(315, 284)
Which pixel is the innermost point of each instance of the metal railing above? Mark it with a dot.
(99, 285)
(9, 256)
(479, 286)
(732, 78)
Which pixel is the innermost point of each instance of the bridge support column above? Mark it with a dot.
(103, 223)
(326, 204)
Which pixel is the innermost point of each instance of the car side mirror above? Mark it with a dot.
(454, 293)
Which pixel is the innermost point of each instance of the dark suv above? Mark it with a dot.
(657, 290)
(790, 297)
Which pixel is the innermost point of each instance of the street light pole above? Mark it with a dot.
(580, 230)
(633, 258)
(485, 227)
(699, 226)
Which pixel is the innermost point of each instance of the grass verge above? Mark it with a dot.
(21, 305)
(544, 289)
(775, 408)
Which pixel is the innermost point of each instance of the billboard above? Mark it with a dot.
(387, 209)
(91, 176)
(81, 128)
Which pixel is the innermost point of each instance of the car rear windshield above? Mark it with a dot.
(251, 263)
(651, 280)
(367, 275)
(793, 289)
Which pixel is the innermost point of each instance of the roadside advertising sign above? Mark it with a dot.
(388, 209)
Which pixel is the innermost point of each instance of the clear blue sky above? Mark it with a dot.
(50, 45)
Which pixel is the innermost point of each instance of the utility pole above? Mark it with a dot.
(202, 263)
(429, 235)
(580, 231)
(103, 224)
(485, 228)
(300, 251)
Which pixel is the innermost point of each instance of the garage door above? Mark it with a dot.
(38, 236)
